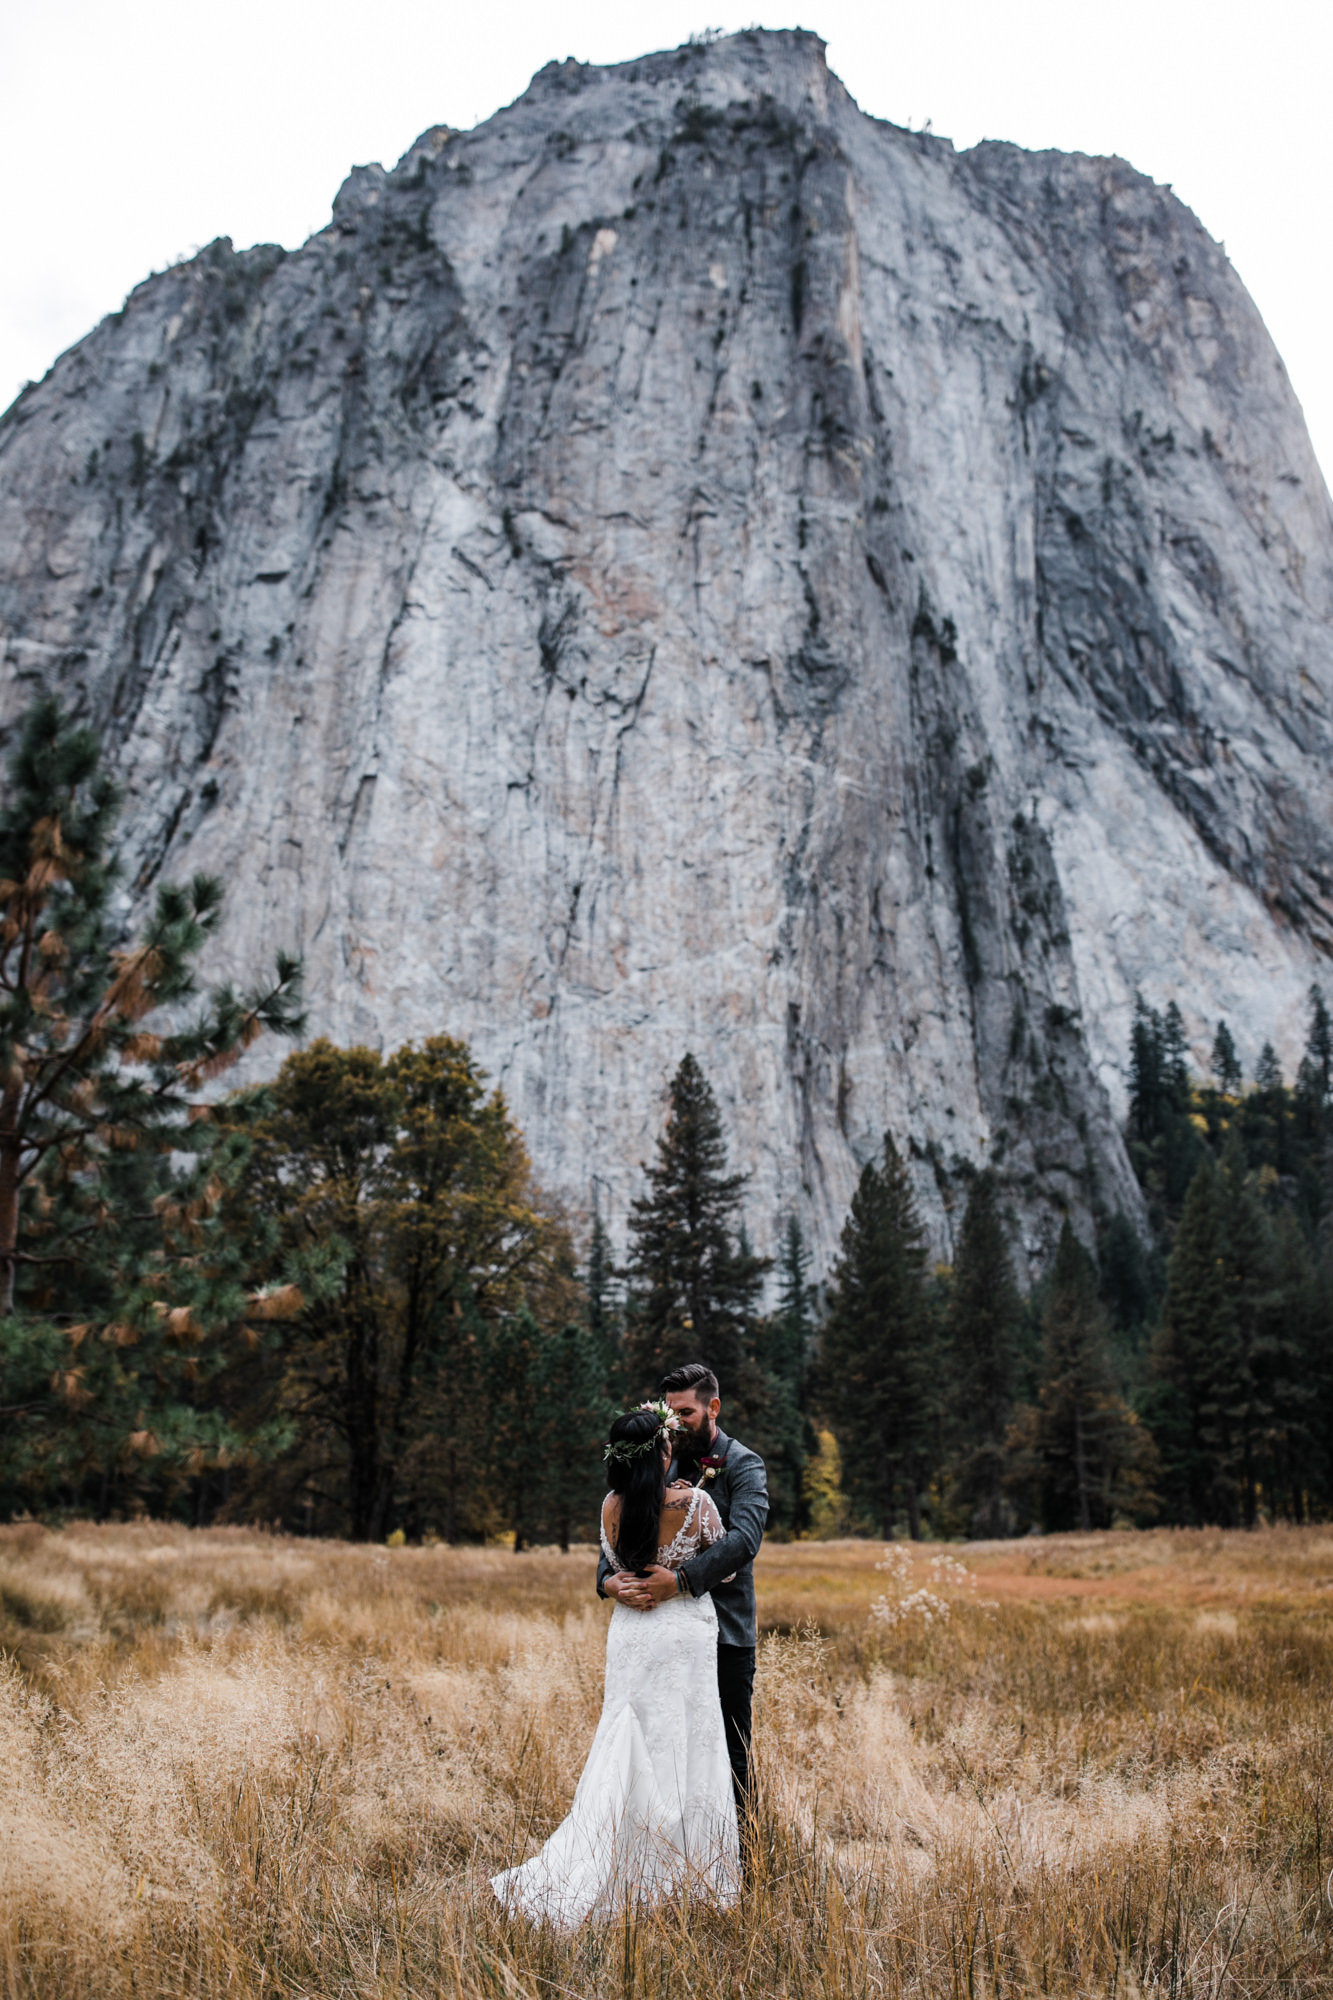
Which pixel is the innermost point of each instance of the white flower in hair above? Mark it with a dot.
(668, 1423)
(667, 1418)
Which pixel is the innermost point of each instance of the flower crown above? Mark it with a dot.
(668, 1423)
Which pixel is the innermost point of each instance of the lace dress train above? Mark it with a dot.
(654, 1814)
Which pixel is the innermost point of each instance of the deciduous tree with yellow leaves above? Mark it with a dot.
(410, 1174)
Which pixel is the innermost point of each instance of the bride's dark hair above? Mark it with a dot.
(641, 1483)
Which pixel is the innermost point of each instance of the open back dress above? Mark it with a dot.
(654, 1815)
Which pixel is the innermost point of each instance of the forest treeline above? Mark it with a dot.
(339, 1301)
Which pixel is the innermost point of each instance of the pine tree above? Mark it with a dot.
(90, 1094)
(605, 1316)
(793, 1326)
(1175, 1058)
(117, 1301)
(1317, 1062)
(984, 1328)
(572, 1398)
(785, 1352)
(1129, 1279)
(1296, 1468)
(547, 1414)
(1081, 1454)
(1146, 1089)
(1316, 1482)
(1268, 1070)
(602, 1315)
(1267, 1115)
(1163, 1143)
(694, 1287)
(1313, 1108)
(1196, 1331)
(1217, 1352)
(878, 1371)
(1245, 1416)
(1225, 1063)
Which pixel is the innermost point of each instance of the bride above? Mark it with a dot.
(654, 1814)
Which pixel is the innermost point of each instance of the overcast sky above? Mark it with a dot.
(133, 133)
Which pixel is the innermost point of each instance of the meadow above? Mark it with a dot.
(250, 1765)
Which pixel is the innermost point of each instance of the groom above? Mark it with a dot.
(735, 1477)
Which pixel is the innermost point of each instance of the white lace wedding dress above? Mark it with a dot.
(654, 1814)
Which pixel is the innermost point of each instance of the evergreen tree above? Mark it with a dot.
(793, 1327)
(1220, 1350)
(1175, 1058)
(1146, 1091)
(1081, 1455)
(1267, 1116)
(1316, 1374)
(1237, 1396)
(572, 1397)
(1268, 1070)
(1296, 1475)
(1225, 1062)
(93, 1101)
(547, 1416)
(1129, 1283)
(1164, 1145)
(603, 1317)
(1245, 1414)
(786, 1353)
(1316, 1072)
(1314, 1101)
(694, 1285)
(984, 1325)
(1195, 1331)
(113, 1315)
(878, 1371)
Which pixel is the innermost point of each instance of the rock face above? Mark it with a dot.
(685, 565)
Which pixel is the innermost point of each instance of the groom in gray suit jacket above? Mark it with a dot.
(735, 1477)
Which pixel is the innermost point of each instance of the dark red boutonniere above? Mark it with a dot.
(711, 1468)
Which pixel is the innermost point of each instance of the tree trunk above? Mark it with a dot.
(378, 1525)
(995, 1502)
(450, 1499)
(913, 1511)
(1081, 1468)
(363, 1469)
(9, 1198)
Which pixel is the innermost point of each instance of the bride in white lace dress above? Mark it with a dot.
(654, 1814)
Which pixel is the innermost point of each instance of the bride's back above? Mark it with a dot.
(677, 1504)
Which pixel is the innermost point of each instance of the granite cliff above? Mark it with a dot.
(685, 565)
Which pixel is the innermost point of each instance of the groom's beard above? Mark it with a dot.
(691, 1446)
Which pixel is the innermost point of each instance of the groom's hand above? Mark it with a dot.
(628, 1590)
(658, 1585)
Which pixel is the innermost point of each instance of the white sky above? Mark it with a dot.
(133, 132)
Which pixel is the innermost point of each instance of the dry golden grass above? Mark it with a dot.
(234, 1764)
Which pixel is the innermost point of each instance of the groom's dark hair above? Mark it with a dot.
(691, 1380)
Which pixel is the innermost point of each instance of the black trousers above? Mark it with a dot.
(735, 1684)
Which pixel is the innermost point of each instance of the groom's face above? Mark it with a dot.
(698, 1421)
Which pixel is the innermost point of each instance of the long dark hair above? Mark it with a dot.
(641, 1483)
